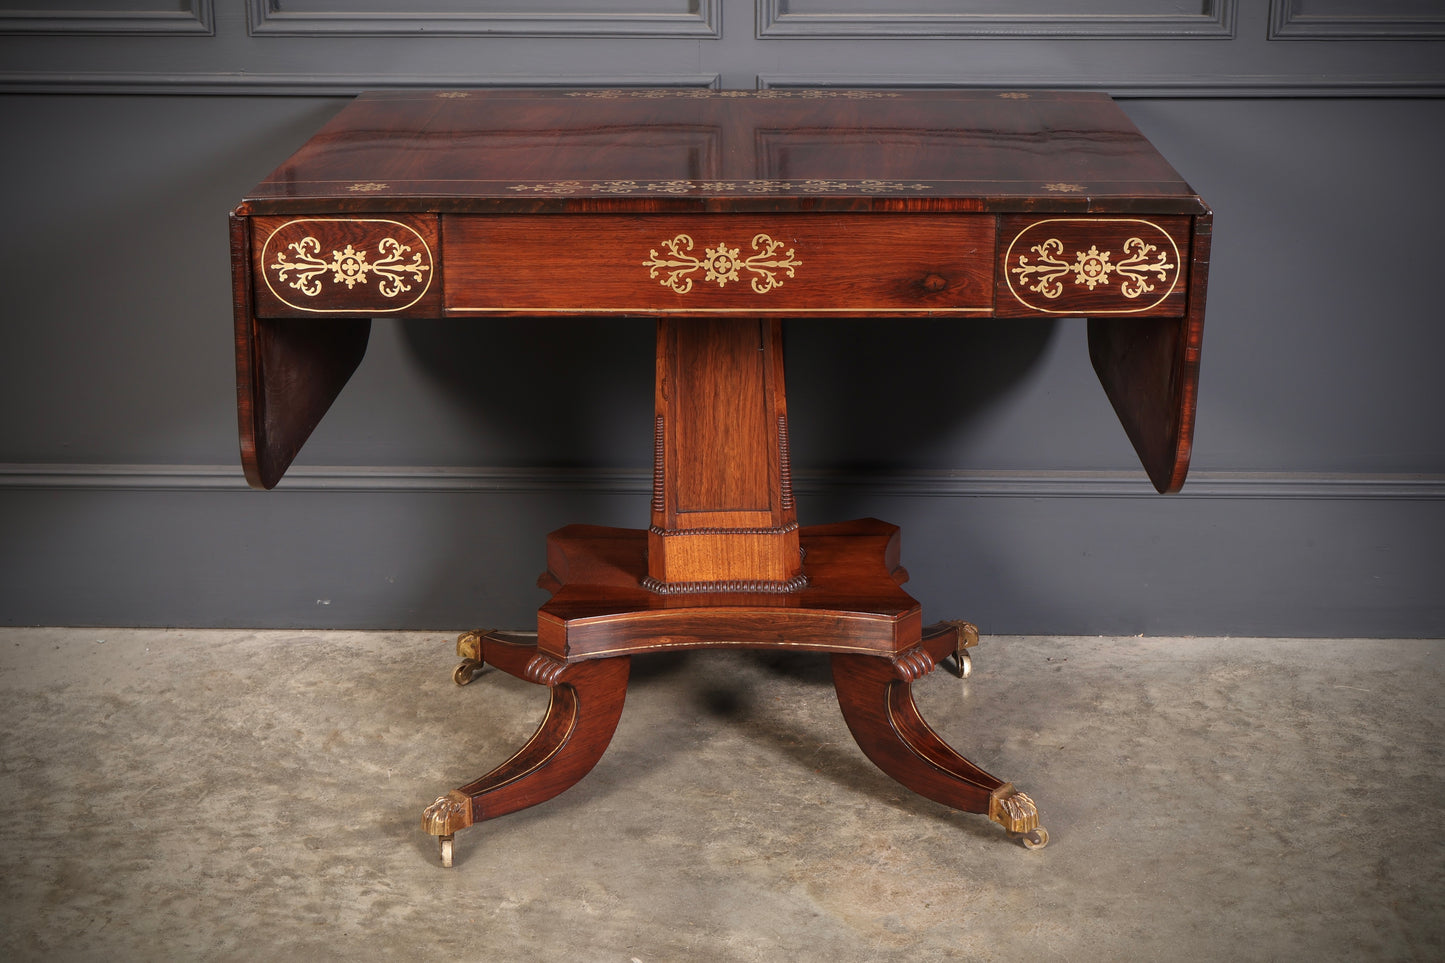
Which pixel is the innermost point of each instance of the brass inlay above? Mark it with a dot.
(753, 186)
(670, 643)
(881, 310)
(1093, 267)
(1142, 268)
(368, 186)
(721, 264)
(453, 94)
(706, 93)
(1061, 188)
(300, 266)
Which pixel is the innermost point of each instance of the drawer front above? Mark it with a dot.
(1092, 266)
(363, 265)
(810, 264)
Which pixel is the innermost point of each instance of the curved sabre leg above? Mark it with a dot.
(586, 704)
(876, 696)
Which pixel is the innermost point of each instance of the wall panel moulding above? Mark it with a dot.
(1152, 85)
(306, 85)
(1356, 19)
(539, 18)
(1020, 19)
(154, 18)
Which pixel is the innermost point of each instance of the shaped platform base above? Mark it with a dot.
(600, 615)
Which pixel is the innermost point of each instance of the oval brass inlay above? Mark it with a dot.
(1133, 276)
(395, 262)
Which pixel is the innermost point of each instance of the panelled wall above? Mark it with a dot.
(1316, 506)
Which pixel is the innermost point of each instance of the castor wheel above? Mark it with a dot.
(467, 670)
(469, 647)
(445, 845)
(1033, 839)
(966, 637)
(962, 665)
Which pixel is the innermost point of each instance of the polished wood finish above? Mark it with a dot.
(710, 152)
(719, 213)
(892, 204)
(723, 512)
(852, 602)
(1150, 370)
(319, 266)
(799, 265)
(1086, 266)
(287, 374)
(585, 706)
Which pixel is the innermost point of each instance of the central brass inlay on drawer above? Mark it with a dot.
(722, 264)
(868, 264)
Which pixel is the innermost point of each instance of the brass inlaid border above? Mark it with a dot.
(571, 727)
(642, 309)
(1076, 310)
(676, 186)
(824, 647)
(430, 267)
(708, 93)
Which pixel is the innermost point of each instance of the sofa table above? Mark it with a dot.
(719, 214)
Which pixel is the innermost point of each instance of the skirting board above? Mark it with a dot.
(1046, 553)
(943, 484)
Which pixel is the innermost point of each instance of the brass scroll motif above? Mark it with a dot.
(813, 185)
(707, 93)
(350, 267)
(721, 264)
(1094, 267)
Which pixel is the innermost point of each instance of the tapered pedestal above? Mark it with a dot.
(723, 513)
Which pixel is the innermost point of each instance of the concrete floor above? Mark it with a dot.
(256, 795)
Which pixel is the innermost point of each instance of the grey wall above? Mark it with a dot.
(1317, 501)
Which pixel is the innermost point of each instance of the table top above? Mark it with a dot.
(834, 202)
(684, 150)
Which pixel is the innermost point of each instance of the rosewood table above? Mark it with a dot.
(719, 214)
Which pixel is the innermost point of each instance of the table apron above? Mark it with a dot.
(746, 264)
(755, 264)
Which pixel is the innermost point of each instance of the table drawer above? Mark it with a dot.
(359, 265)
(810, 264)
(1092, 266)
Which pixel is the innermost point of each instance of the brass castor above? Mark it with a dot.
(1034, 839)
(445, 844)
(962, 665)
(467, 670)
(469, 647)
(967, 636)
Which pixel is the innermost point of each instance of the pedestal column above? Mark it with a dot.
(723, 515)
